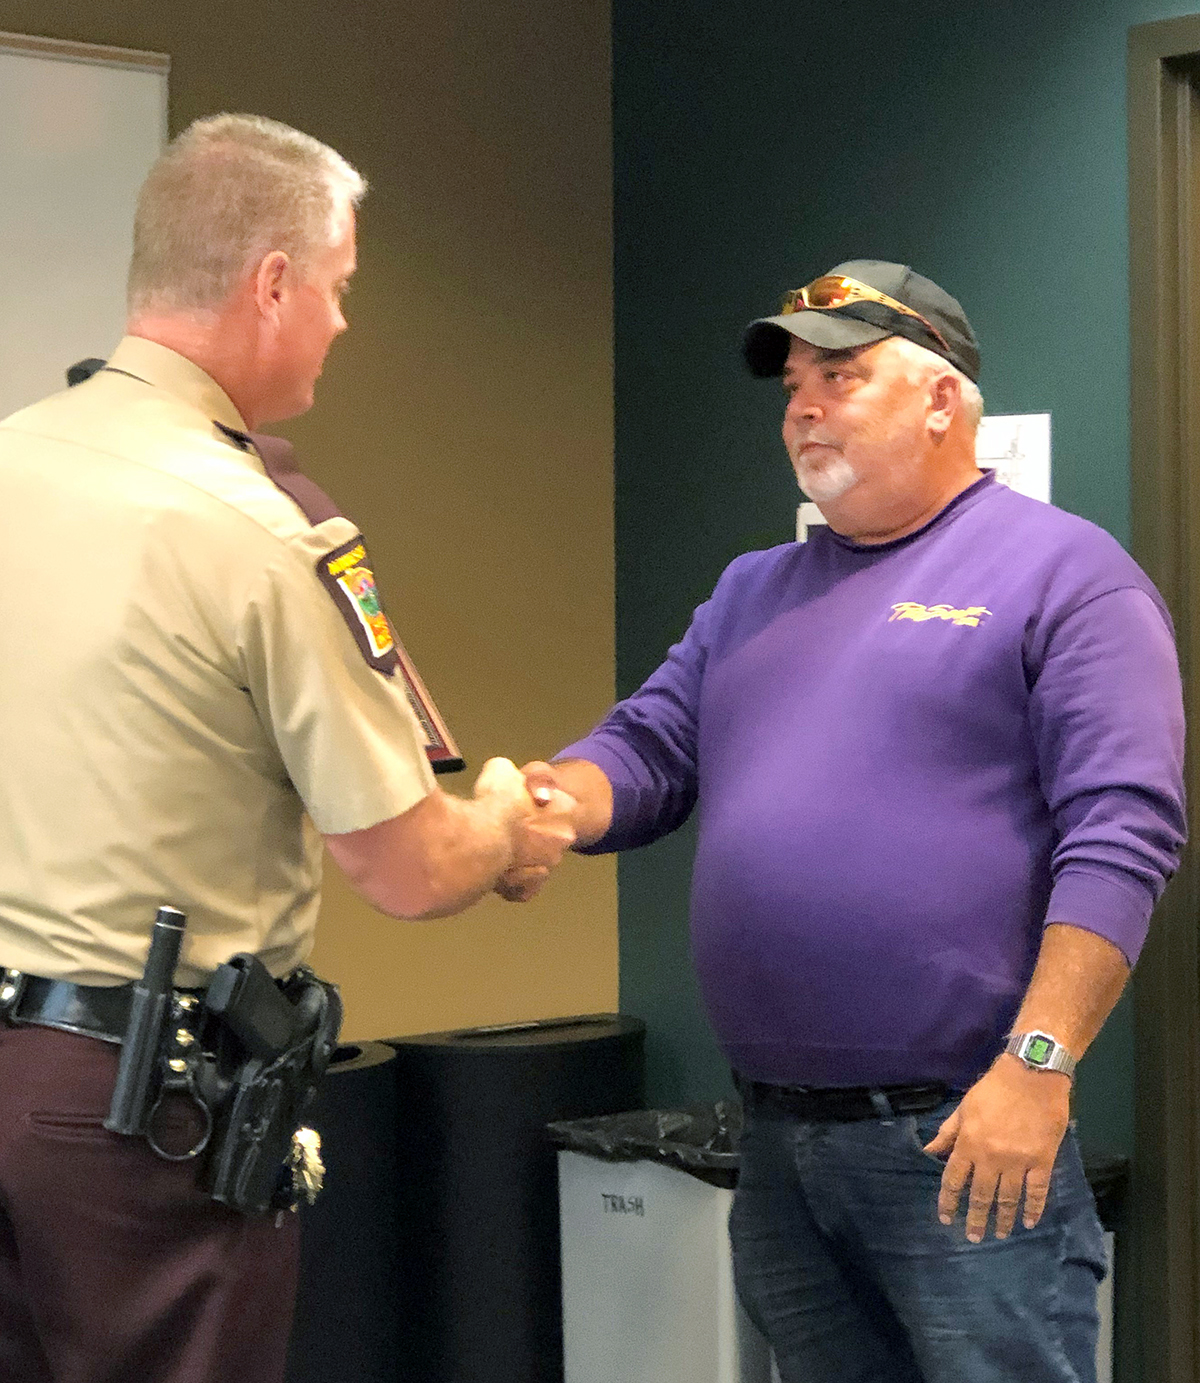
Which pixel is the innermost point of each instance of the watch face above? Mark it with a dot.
(1037, 1050)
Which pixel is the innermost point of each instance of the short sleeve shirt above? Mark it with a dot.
(184, 706)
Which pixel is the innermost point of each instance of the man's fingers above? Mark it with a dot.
(555, 808)
(944, 1139)
(1008, 1198)
(979, 1206)
(542, 840)
(541, 781)
(1037, 1188)
(954, 1178)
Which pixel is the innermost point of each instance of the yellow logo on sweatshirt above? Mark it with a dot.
(910, 609)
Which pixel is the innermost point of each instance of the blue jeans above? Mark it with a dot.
(840, 1260)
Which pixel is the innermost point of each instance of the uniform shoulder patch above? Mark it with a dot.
(346, 574)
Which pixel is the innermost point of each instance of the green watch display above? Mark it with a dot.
(1041, 1052)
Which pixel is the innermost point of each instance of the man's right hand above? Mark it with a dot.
(587, 789)
(544, 832)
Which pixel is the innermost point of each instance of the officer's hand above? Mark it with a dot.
(502, 784)
(1002, 1139)
(543, 836)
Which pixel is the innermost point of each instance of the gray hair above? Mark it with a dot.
(930, 363)
(226, 192)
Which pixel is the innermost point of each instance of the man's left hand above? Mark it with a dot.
(1003, 1139)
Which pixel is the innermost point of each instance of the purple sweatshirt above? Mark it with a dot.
(908, 758)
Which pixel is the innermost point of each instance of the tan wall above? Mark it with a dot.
(466, 418)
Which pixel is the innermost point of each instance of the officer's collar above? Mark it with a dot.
(175, 374)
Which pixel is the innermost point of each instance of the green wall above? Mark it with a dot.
(756, 146)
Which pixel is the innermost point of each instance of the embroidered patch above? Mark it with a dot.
(910, 609)
(346, 574)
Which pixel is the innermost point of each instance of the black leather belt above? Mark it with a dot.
(838, 1105)
(92, 1010)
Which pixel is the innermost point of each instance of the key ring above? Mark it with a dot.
(198, 1147)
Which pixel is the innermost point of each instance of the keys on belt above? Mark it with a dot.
(11, 989)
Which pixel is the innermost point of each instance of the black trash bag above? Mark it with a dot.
(699, 1139)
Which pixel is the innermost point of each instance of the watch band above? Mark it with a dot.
(1041, 1052)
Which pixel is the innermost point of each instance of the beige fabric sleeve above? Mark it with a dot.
(345, 731)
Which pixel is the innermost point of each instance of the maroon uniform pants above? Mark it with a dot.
(114, 1266)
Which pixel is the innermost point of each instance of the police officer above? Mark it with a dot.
(197, 686)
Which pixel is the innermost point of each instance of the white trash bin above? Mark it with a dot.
(647, 1279)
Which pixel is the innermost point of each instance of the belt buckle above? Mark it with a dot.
(12, 987)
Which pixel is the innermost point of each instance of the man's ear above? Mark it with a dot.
(945, 400)
(270, 282)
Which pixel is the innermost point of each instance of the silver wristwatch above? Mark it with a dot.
(1041, 1052)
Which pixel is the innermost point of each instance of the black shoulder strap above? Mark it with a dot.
(279, 461)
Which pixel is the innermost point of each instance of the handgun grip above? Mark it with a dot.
(250, 1004)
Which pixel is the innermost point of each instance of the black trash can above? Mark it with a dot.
(348, 1310)
(479, 1227)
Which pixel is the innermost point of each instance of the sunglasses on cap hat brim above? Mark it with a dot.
(832, 292)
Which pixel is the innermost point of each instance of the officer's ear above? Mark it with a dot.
(270, 282)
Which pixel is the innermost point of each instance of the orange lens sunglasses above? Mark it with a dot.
(831, 291)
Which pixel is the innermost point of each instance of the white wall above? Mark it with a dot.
(76, 140)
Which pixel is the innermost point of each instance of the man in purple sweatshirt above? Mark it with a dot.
(937, 756)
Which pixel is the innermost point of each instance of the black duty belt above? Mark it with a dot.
(844, 1105)
(92, 1010)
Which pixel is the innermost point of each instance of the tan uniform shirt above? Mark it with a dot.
(183, 705)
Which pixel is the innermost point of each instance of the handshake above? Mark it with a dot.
(542, 816)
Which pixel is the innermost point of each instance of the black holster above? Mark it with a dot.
(258, 1099)
(249, 1057)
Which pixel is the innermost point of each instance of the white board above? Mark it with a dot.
(79, 128)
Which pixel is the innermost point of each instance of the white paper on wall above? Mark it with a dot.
(1017, 447)
(807, 515)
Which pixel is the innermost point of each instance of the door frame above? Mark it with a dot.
(1160, 1244)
